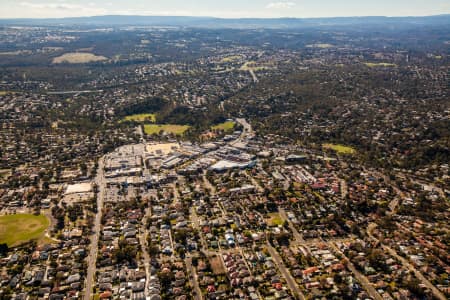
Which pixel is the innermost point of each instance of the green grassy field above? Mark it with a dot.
(141, 118)
(321, 46)
(252, 65)
(340, 148)
(21, 228)
(78, 58)
(226, 126)
(231, 58)
(374, 65)
(167, 128)
(275, 219)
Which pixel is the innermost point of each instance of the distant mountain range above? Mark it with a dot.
(210, 22)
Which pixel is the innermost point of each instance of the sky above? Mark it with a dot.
(222, 8)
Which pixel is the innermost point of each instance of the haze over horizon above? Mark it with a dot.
(10, 9)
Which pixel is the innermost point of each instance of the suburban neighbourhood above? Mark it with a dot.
(234, 218)
(199, 158)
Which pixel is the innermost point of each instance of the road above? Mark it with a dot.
(425, 183)
(143, 241)
(247, 127)
(92, 258)
(208, 185)
(259, 188)
(248, 131)
(298, 240)
(400, 195)
(140, 131)
(193, 278)
(213, 190)
(297, 236)
(293, 286)
(255, 79)
(361, 278)
(344, 188)
(436, 292)
(100, 180)
(196, 224)
(74, 92)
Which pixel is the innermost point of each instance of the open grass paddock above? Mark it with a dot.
(226, 126)
(383, 64)
(141, 118)
(167, 128)
(78, 58)
(21, 228)
(340, 148)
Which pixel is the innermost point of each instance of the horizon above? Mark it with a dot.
(232, 9)
(229, 18)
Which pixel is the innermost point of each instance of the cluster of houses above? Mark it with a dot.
(320, 272)
(54, 270)
(425, 251)
(385, 272)
(120, 273)
(227, 218)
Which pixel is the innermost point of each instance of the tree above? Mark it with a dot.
(83, 169)
(377, 260)
(153, 250)
(195, 261)
(3, 249)
(166, 278)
